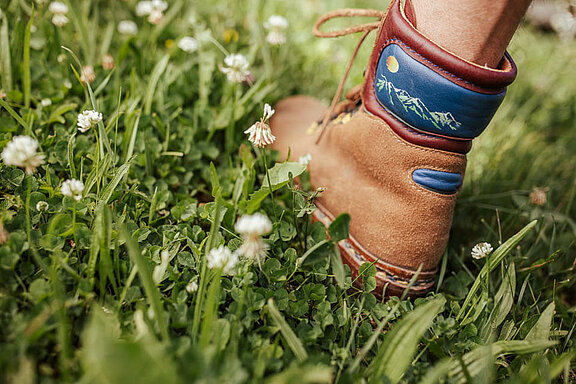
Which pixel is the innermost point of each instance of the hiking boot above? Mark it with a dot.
(393, 155)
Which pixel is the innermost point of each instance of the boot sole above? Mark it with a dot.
(390, 280)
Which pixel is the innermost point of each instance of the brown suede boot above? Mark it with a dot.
(393, 155)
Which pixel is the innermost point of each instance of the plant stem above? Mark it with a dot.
(269, 184)
(74, 226)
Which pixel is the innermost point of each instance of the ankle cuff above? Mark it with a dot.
(428, 88)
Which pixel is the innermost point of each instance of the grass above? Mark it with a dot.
(168, 172)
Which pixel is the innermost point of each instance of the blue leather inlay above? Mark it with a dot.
(439, 181)
(427, 101)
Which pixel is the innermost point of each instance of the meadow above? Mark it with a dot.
(108, 278)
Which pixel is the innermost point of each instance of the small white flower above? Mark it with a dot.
(481, 250)
(59, 20)
(268, 112)
(108, 62)
(188, 44)
(87, 74)
(42, 206)
(276, 26)
(143, 8)
(73, 188)
(236, 69)
(253, 225)
(275, 38)
(276, 22)
(21, 152)
(191, 287)
(254, 249)
(159, 5)
(153, 9)
(46, 102)
(156, 17)
(88, 119)
(305, 159)
(251, 228)
(58, 8)
(260, 133)
(61, 58)
(222, 258)
(127, 27)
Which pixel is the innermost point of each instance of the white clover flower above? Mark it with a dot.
(59, 20)
(191, 287)
(143, 8)
(260, 132)
(275, 38)
(305, 159)
(481, 250)
(156, 17)
(251, 228)
(153, 9)
(276, 22)
(108, 62)
(58, 8)
(276, 26)
(87, 74)
(188, 44)
(46, 102)
(73, 188)
(253, 225)
(127, 27)
(236, 69)
(159, 5)
(88, 119)
(222, 258)
(21, 152)
(42, 206)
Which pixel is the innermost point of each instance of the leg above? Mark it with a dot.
(476, 30)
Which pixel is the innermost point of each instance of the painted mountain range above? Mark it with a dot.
(440, 120)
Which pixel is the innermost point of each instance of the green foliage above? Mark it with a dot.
(116, 287)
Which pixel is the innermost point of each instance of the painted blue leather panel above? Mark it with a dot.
(439, 181)
(428, 101)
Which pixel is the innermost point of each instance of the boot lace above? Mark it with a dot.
(352, 95)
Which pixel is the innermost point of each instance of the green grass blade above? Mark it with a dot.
(111, 187)
(14, 114)
(27, 85)
(400, 344)
(5, 58)
(132, 131)
(541, 330)
(493, 261)
(145, 274)
(373, 338)
(157, 72)
(210, 312)
(475, 361)
(292, 340)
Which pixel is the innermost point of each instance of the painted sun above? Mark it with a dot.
(392, 64)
